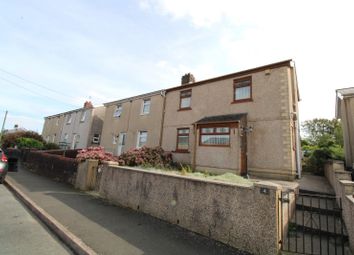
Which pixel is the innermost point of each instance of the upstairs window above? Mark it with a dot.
(142, 138)
(243, 89)
(214, 136)
(185, 100)
(83, 116)
(182, 139)
(68, 119)
(145, 109)
(118, 111)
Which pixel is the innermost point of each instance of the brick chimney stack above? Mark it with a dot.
(88, 105)
(187, 78)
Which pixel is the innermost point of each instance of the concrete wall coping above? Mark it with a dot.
(351, 198)
(190, 178)
(269, 185)
(346, 182)
(341, 172)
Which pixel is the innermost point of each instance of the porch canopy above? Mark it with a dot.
(229, 118)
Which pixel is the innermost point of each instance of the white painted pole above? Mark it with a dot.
(3, 126)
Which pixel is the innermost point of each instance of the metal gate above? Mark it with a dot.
(312, 224)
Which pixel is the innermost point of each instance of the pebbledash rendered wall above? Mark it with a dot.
(341, 182)
(245, 217)
(272, 113)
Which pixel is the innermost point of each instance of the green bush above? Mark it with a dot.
(51, 146)
(10, 139)
(145, 156)
(24, 142)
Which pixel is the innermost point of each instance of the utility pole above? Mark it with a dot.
(2, 128)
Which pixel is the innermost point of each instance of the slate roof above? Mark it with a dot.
(221, 118)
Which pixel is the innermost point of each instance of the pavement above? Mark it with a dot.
(110, 229)
(22, 233)
(314, 183)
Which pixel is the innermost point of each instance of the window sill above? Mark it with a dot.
(180, 151)
(209, 145)
(242, 101)
(184, 109)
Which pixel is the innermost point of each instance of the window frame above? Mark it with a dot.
(116, 110)
(215, 126)
(235, 87)
(69, 118)
(143, 106)
(83, 116)
(178, 135)
(96, 138)
(181, 96)
(138, 138)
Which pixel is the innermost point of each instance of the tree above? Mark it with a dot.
(318, 130)
(323, 140)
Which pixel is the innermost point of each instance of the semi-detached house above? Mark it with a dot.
(133, 122)
(245, 122)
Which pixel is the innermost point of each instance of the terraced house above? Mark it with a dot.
(79, 128)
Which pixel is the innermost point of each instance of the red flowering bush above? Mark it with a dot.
(155, 157)
(95, 153)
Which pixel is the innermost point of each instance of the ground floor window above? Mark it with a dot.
(214, 135)
(142, 138)
(182, 139)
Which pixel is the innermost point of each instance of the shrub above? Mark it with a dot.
(10, 139)
(24, 142)
(53, 166)
(51, 146)
(155, 157)
(95, 153)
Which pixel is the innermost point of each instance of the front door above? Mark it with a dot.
(243, 161)
(121, 142)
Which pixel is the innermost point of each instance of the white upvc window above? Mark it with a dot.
(53, 138)
(114, 139)
(83, 116)
(142, 139)
(145, 109)
(47, 139)
(68, 118)
(118, 111)
(66, 137)
(96, 139)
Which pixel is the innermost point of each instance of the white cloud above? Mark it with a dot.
(316, 34)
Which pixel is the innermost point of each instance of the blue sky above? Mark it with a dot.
(54, 55)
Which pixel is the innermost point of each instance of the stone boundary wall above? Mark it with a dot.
(245, 217)
(341, 182)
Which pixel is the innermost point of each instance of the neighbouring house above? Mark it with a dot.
(245, 122)
(345, 112)
(53, 125)
(133, 122)
(79, 128)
